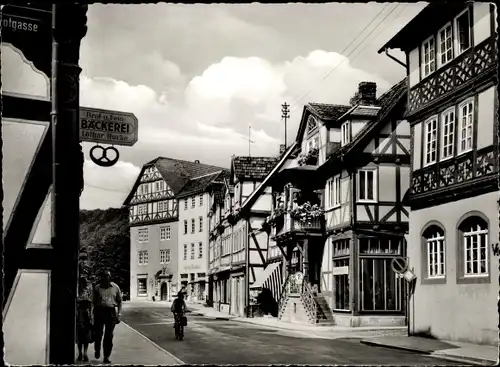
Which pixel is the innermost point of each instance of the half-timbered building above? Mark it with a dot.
(451, 56)
(367, 176)
(154, 225)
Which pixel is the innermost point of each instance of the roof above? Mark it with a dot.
(425, 23)
(176, 173)
(200, 184)
(252, 168)
(387, 102)
(258, 191)
(327, 111)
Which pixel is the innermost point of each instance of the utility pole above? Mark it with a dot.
(249, 140)
(285, 115)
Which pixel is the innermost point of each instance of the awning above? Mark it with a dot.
(265, 275)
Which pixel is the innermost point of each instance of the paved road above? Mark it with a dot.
(230, 342)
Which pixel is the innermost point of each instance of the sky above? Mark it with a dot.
(197, 76)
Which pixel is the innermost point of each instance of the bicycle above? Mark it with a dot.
(179, 323)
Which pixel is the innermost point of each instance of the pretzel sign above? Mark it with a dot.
(103, 160)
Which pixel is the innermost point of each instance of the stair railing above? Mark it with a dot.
(283, 297)
(309, 302)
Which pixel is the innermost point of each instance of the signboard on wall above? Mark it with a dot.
(340, 270)
(108, 127)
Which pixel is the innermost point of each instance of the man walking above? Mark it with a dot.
(107, 297)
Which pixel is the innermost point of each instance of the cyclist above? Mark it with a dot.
(178, 308)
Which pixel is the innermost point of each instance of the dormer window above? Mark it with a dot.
(429, 57)
(445, 45)
(462, 28)
(345, 131)
(311, 124)
(313, 143)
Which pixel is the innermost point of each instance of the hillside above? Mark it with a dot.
(105, 244)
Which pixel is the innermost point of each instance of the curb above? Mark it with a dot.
(471, 360)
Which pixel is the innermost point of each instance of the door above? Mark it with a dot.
(164, 291)
(237, 298)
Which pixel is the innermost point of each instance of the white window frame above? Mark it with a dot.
(436, 263)
(345, 133)
(439, 44)
(448, 131)
(167, 256)
(139, 293)
(185, 226)
(201, 199)
(469, 124)
(365, 171)
(142, 209)
(433, 49)
(163, 256)
(142, 235)
(193, 202)
(159, 186)
(428, 143)
(200, 224)
(476, 233)
(193, 225)
(185, 204)
(200, 250)
(456, 42)
(333, 190)
(165, 233)
(192, 252)
(313, 142)
(185, 253)
(142, 257)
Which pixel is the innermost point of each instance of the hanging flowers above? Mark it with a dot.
(310, 157)
(307, 213)
(275, 215)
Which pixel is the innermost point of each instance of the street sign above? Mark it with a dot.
(108, 127)
(399, 265)
(29, 29)
(409, 275)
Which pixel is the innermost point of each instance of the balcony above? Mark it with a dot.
(476, 63)
(285, 224)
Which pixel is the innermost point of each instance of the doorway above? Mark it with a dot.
(163, 291)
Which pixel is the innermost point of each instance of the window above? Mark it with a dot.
(466, 113)
(164, 233)
(201, 200)
(474, 231)
(311, 124)
(367, 185)
(144, 189)
(341, 281)
(201, 224)
(345, 131)
(142, 289)
(164, 256)
(192, 251)
(185, 226)
(193, 202)
(313, 143)
(430, 140)
(445, 45)
(142, 209)
(193, 225)
(185, 204)
(159, 185)
(142, 257)
(462, 27)
(381, 290)
(334, 192)
(429, 57)
(142, 235)
(434, 239)
(185, 252)
(448, 133)
(200, 250)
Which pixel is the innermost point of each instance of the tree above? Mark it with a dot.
(105, 245)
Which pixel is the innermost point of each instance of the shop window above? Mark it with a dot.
(142, 289)
(381, 290)
(341, 282)
(380, 246)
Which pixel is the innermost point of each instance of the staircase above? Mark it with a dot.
(299, 304)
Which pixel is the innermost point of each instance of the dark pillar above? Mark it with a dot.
(68, 29)
(354, 280)
(305, 264)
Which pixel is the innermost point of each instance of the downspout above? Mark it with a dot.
(247, 268)
(395, 59)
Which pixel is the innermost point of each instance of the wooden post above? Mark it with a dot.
(305, 264)
(68, 25)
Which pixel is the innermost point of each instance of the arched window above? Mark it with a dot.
(435, 252)
(311, 123)
(473, 235)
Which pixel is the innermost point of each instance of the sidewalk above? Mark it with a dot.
(312, 331)
(459, 352)
(132, 348)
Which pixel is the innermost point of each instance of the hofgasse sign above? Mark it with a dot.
(108, 127)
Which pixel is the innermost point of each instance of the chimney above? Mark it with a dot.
(282, 149)
(366, 94)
